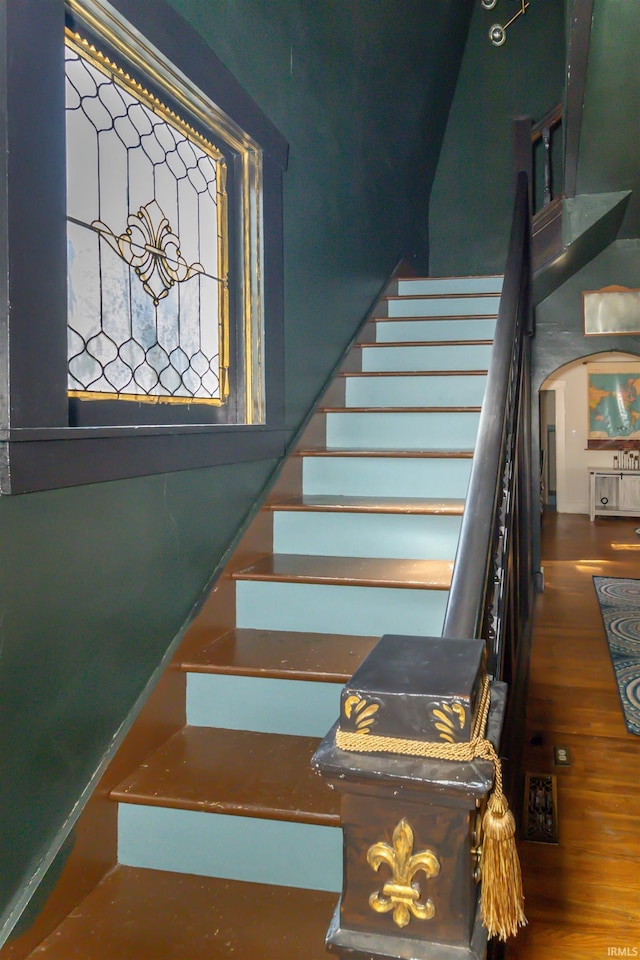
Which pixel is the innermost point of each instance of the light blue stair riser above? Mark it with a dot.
(402, 431)
(395, 535)
(416, 391)
(430, 331)
(386, 476)
(441, 286)
(464, 356)
(481, 306)
(234, 848)
(302, 708)
(334, 608)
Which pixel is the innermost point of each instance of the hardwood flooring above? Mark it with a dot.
(583, 894)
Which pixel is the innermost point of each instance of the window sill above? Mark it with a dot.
(33, 460)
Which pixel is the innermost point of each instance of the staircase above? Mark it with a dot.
(228, 844)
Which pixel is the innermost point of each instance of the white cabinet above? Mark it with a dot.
(614, 492)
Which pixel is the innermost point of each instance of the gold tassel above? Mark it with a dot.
(502, 899)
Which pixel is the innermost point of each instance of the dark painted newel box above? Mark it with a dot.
(411, 824)
(420, 686)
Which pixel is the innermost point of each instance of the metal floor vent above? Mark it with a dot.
(540, 820)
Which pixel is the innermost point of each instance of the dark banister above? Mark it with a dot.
(412, 813)
(523, 155)
(546, 138)
(468, 594)
(542, 130)
(550, 120)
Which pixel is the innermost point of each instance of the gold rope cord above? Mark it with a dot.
(502, 901)
(477, 748)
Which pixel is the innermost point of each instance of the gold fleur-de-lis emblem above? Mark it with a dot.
(449, 721)
(362, 714)
(150, 246)
(400, 894)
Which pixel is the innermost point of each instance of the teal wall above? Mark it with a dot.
(361, 90)
(97, 581)
(609, 157)
(559, 321)
(471, 201)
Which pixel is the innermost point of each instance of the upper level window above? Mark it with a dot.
(140, 249)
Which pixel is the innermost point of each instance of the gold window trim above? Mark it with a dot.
(134, 49)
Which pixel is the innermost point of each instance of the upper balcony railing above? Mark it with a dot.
(546, 136)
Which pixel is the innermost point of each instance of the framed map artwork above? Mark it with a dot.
(614, 405)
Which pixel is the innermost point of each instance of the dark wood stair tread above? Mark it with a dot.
(458, 409)
(435, 319)
(419, 278)
(471, 317)
(386, 452)
(328, 504)
(351, 571)
(412, 373)
(466, 295)
(237, 772)
(328, 658)
(136, 914)
(425, 343)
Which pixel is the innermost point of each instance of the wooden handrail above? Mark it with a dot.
(550, 120)
(495, 461)
(403, 806)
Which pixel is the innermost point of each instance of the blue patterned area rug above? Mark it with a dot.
(619, 600)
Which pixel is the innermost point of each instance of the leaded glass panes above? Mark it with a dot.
(147, 243)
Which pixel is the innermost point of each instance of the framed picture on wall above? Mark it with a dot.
(611, 311)
(614, 405)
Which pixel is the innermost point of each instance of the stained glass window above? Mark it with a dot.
(146, 327)
(147, 237)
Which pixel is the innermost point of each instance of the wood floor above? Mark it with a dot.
(583, 894)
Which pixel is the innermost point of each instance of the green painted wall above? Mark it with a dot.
(609, 157)
(96, 582)
(361, 90)
(559, 322)
(471, 201)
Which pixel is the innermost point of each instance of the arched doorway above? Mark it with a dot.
(564, 423)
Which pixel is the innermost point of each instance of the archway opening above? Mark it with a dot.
(565, 454)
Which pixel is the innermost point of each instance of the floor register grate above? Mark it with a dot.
(540, 820)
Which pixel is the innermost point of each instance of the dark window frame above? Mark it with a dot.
(38, 448)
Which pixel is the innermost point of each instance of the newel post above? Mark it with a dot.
(412, 825)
